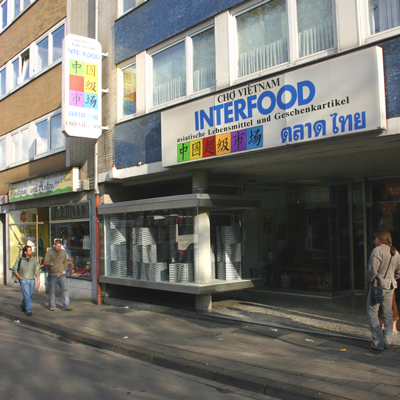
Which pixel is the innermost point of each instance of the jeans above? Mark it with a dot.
(27, 286)
(61, 280)
(381, 339)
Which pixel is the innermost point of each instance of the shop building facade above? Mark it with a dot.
(255, 146)
(46, 178)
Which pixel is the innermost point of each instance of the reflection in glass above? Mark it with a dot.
(203, 60)
(262, 38)
(128, 4)
(169, 74)
(15, 73)
(383, 15)
(58, 36)
(24, 143)
(129, 91)
(2, 153)
(42, 54)
(4, 15)
(25, 66)
(17, 8)
(41, 137)
(315, 24)
(14, 148)
(57, 138)
(2, 82)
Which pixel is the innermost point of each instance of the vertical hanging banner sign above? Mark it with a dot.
(81, 99)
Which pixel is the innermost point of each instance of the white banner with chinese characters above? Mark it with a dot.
(59, 182)
(343, 95)
(82, 72)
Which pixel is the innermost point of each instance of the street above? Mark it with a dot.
(36, 365)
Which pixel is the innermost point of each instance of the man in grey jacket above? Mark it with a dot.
(56, 261)
(26, 269)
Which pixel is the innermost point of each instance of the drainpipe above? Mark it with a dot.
(96, 184)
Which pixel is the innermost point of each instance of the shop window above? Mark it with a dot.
(173, 68)
(71, 224)
(129, 91)
(383, 15)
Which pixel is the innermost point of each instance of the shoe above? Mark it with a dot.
(51, 309)
(68, 309)
(372, 348)
(23, 309)
(29, 314)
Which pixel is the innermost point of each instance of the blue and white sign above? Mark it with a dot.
(341, 96)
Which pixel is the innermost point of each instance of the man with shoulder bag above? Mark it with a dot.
(383, 271)
(25, 270)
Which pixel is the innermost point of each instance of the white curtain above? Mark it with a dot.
(168, 91)
(263, 57)
(315, 39)
(203, 78)
(384, 15)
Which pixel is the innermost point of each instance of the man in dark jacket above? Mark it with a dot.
(56, 261)
(26, 269)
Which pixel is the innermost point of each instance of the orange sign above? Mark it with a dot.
(24, 216)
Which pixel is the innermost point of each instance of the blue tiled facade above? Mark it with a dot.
(391, 59)
(138, 140)
(157, 20)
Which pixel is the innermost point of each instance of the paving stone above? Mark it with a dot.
(387, 362)
(387, 390)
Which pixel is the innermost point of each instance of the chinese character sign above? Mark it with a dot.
(82, 58)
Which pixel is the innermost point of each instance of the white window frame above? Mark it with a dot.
(292, 37)
(7, 153)
(11, 17)
(374, 37)
(120, 83)
(5, 71)
(187, 39)
(49, 152)
(121, 7)
(32, 49)
(18, 133)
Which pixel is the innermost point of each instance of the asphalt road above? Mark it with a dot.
(38, 365)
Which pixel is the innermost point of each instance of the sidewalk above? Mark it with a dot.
(283, 361)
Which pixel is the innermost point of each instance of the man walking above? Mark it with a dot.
(26, 269)
(56, 261)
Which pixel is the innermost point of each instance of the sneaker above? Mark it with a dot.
(372, 348)
(68, 309)
(23, 309)
(51, 309)
(29, 314)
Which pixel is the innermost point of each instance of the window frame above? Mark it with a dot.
(18, 133)
(5, 80)
(49, 151)
(4, 139)
(187, 39)
(120, 82)
(32, 56)
(292, 39)
(11, 17)
(375, 37)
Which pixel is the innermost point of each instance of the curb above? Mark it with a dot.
(251, 383)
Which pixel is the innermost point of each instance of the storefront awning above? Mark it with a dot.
(195, 200)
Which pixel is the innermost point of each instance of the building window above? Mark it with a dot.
(3, 153)
(49, 136)
(42, 54)
(129, 90)
(203, 60)
(4, 12)
(15, 73)
(128, 4)
(173, 68)
(383, 15)
(24, 66)
(20, 146)
(3, 82)
(17, 8)
(169, 74)
(57, 38)
(315, 26)
(262, 37)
